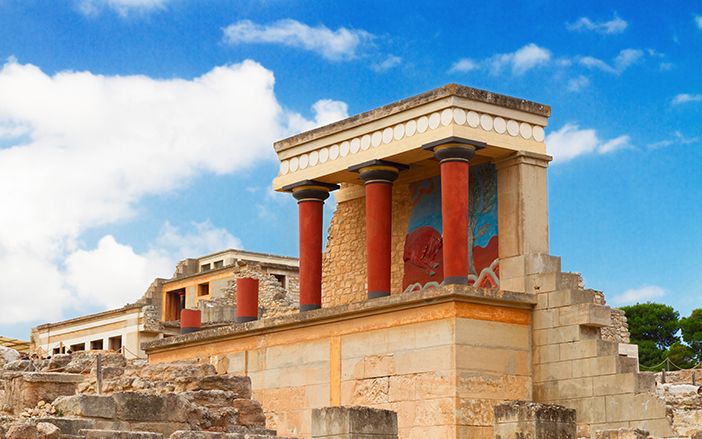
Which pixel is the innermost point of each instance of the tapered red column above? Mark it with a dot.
(378, 176)
(454, 155)
(310, 196)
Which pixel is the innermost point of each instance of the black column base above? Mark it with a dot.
(377, 294)
(244, 319)
(310, 307)
(455, 280)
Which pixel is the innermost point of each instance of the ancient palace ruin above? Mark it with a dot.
(435, 304)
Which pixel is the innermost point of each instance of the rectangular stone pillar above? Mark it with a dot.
(522, 206)
(353, 423)
(523, 419)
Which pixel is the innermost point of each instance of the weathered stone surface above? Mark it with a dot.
(117, 434)
(237, 385)
(84, 362)
(25, 390)
(346, 422)
(518, 419)
(69, 425)
(58, 362)
(89, 406)
(134, 406)
(48, 431)
(250, 413)
(8, 355)
(622, 433)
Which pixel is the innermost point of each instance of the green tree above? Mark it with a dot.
(691, 328)
(682, 356)
(653, 327)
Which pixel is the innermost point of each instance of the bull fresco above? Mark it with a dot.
(423, 244)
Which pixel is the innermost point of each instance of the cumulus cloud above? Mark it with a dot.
(388, 63)
(684, 98)
(570, 142)
(464, 65)
(638, 295)
(614, 26)
(80, 150)
(677, 138)
(518, 62)
(122, 7)
(335, 45)
(325, 111)
(625, 59)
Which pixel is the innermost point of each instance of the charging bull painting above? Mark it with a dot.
(423, 244)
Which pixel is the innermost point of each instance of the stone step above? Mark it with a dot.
(69, 426)
(568, 280)
(120, 434)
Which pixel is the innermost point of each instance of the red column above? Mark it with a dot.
(310, 196)
(378, 176)
(246, 299)
(454, 220)
(454, 155)
(190, 320)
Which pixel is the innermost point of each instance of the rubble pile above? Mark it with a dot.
(58, 398)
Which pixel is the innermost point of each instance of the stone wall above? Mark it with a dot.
(577, 367)
(344, 271)
(619, 330)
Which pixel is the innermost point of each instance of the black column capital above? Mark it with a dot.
(310, 190)
(454, 149)
(378, 171)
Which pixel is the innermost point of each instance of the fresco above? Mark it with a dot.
(423, 243)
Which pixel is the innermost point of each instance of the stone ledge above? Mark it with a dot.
(443, 294)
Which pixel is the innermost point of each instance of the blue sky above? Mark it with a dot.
(134, 133)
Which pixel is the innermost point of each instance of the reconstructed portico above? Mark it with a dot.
(442, 133)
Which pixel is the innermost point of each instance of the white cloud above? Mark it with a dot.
(677, 138)
(614, 26)
(90, 147)
(578, 84)
(464, 65)
(638, 295)
(570, 142)
(205, 239)
(326, 111)
(684, 98)
(340, 44)
(625, 59)
(388, 63)
(521, 60)
(698, 21)
(122, 7)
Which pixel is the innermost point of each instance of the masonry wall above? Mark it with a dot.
(344, 273)
(440, 367)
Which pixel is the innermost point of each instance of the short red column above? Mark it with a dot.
(310, 196)
(378, 176)
(454, 155)
(190, 320)
(246, 299)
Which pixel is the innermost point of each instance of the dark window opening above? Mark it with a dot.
(203, 289)
(96, 345)
(219, 264)
(115, 343)
(175, 303)
(77, 347)
(205, 267)
(281, 278)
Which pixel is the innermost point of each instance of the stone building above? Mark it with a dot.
(436, 296)
(207, 283)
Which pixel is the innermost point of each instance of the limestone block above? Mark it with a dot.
(519, 419)
(68, 425)
(585, 314)
(561, 370)
(547, 318)
(588, 410)
(507, 361)
(48, 431)
(430, 412)
(134, 406)
(476, 385)
(473, 432)
(476, 412)
(496, 334)
(586, 349)
(350, 422)
(433, 384)
(424, 360)
(567, 297)
(622, 433)
(536, 263)
(633, 407)
(595, 366)
(87, 406)
(26, 389)
(402, 387)
(547, 354)
(575, 388)
(615, 384)
(116, 434)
